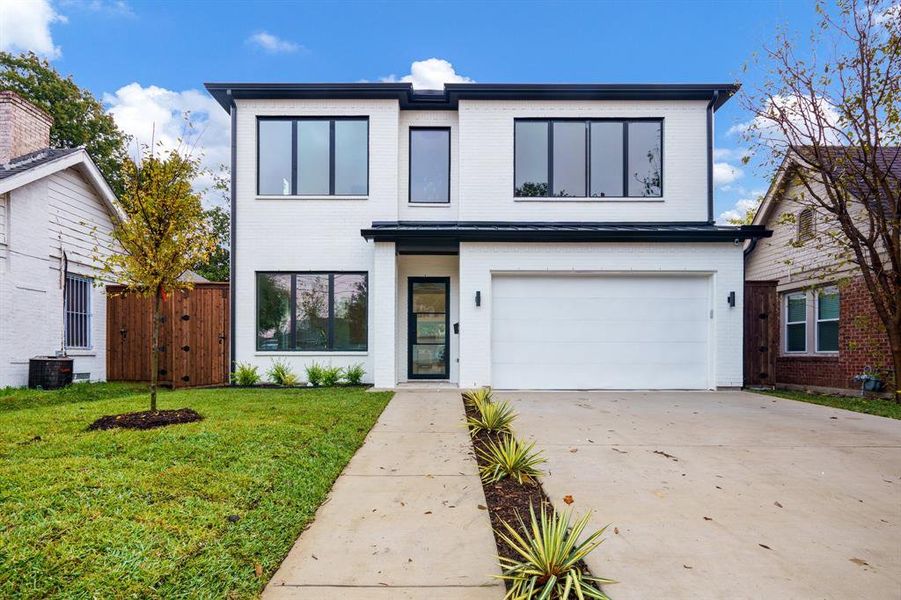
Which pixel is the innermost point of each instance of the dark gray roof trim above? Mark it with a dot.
(483, 231)
(23, 163)
(448, 98)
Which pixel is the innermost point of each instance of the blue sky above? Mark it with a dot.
(149, 60)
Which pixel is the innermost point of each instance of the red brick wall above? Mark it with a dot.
(24, 128)
(862, 342)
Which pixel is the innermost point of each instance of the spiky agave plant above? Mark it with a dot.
(546, 566)
(508, 457)
(493, 417)
(477, 396)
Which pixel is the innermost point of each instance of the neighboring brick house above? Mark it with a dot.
(521, 236)
(828, 329)
(54, 205)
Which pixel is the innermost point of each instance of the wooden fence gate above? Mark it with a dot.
(761, 333)
(193, 338)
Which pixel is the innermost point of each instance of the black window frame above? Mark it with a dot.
(410, 199)
(550, 156)
(294, 121)
(292, 310)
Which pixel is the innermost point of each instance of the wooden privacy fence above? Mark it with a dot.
(761, 333)
(193, 337)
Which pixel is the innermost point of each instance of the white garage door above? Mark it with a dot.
(600, 332)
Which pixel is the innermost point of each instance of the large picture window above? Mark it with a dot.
(313, 156)
(588, 158)
(78, 311)
(314, 312)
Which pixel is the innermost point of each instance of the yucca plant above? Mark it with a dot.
(548, 555)
(493, 417)
(509, 457)
(280, 373)
(477, 396)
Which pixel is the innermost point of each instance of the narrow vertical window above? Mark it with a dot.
(430, 165)
(569, 159)
(531, 159)
(796, 322)
(78, 311)
(827, 320)
(313, 157)
(645, 175)
(351, 157)
(274, 157)
(606, 159)
(273, 311)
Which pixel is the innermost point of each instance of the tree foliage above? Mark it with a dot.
(216, 265)
(832, 115)
(163, 234)
(78, 117)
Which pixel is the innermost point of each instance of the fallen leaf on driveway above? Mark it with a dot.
(573, 450)
(686, 567)
(428, 512)
(708, 518)
(616, 530)
(568, 499)
(669, 456)
(859, 562)
(618, 450)
(481, 507)
(776, 503)
(764, 546)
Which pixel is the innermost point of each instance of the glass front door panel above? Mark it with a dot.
(428, 335)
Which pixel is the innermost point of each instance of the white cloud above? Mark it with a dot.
(725, 174)
(155, 114)
(25, 26)
(118, 8)
(798, 113)
(741, 207)
(273, 44)
(430, 74)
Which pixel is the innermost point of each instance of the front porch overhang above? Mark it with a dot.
(445, 234)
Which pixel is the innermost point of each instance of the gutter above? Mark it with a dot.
(710, 109)
(232, 241)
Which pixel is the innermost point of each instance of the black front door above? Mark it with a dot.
(428, 347)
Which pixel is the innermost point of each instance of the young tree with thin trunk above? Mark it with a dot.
(833, 115)
(164, 233)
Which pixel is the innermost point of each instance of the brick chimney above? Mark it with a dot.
(24, 127)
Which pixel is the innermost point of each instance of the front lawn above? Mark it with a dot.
(870, 406)
(200, 510)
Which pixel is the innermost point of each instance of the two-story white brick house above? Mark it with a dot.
(519, 236)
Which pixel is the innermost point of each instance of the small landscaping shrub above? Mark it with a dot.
(477, 396)
(246, 374)
(280, 373)
(493, 417)
(331, 375)
(548, 558)
(354, 374)
(314, 374)
(509, 458)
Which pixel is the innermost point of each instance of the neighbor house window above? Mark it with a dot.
(78, 311)
(313, 156)
(430, 165)
(827, 320)
(315, 312)
(796, 322)
(588, 158)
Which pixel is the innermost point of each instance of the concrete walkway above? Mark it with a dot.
(726, 494)
(403, 520)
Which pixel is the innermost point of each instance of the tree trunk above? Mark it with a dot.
(155, 347)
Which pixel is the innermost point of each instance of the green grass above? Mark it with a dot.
(144, 514)
(16, 398)
(870, 406)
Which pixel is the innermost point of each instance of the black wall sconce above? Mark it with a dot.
(731, 299)
(478, 298)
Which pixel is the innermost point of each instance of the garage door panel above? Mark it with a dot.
(600, 331)
(592, 330)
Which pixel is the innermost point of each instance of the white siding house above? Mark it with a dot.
(533, 236)
(54, 209)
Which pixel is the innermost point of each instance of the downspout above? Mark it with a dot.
(232, 262)
(710, 109)
(751, 246)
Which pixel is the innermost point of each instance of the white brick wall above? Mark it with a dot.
(479, 260)
(486, 163)
(54, 214)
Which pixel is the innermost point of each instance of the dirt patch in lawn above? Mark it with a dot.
(147, 419)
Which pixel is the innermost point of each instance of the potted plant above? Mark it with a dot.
(871, 380)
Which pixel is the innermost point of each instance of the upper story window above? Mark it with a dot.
(313, 156)
(588, 158)
(429, 165)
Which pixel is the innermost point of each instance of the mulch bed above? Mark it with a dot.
(146, 419)
(508, 500)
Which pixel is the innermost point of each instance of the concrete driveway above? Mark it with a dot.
(726, 494)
